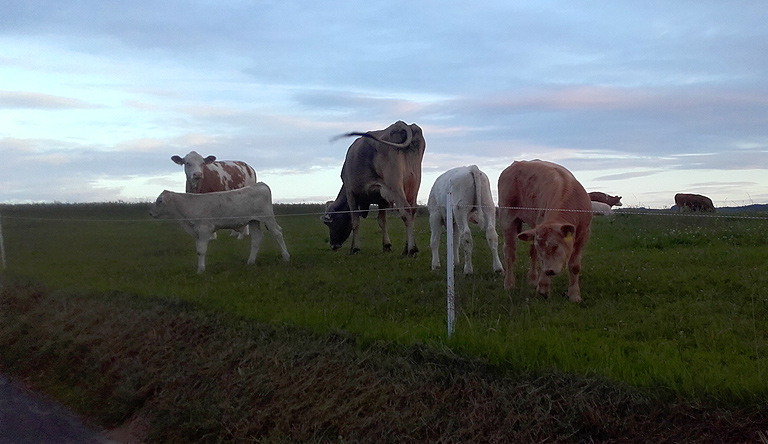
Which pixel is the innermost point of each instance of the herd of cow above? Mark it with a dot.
(384, 168)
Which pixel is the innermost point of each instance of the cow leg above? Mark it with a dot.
(574, 267)
(277, 233)
(493, 243)
(355, 247)
(240, 232)
(509, 229)
(436, 224)
(466, 240)
(385, 242)
(408, 216)
(574, 293)
(201, 245)
(256, 237)
(533, 272)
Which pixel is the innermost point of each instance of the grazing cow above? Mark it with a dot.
(597, 196)
(471, 202)
(693, 202)
(557, 209)
(206, 175)
(382, 167)
(202, 214)
(601, 208)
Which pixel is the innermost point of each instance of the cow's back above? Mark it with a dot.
(529, 188)
(369, 163)
(226, 175)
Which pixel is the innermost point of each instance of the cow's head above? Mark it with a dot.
(193, 168)
(339, 222)
(614, 201)
(160, 207)
(553, 243)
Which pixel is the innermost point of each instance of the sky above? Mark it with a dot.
(638, 99)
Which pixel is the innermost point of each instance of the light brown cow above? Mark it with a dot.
(693, 202)
(598, 196)
(382, 167)
(553, 203)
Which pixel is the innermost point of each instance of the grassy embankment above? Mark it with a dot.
(674, 305)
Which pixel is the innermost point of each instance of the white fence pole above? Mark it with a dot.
(449, 264)
(2, 245)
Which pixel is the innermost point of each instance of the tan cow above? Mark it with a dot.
(694, 202)
(202, 214)
(382, 167)
(558, 211)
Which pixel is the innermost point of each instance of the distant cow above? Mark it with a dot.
(471, 202)
(693, 202)
(553, 203)
(202, 214)
(597, 196)
(382, 167)
(207, 175)
(601, 208)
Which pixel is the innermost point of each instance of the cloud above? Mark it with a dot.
(624, 176)
(31, 100)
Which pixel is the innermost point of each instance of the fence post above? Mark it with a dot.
(2, 245)
(449, 264)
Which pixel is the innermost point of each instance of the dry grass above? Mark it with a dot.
(195, 376)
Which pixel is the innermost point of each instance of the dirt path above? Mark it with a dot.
(27, 417)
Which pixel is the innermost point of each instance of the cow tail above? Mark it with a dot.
(477, 182)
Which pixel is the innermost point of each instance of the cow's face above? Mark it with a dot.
(554, 245)
(339, 225)
(160, 207)
(193, 167)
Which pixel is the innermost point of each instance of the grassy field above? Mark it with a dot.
(670, 301)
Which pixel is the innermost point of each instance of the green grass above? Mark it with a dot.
(672, 302)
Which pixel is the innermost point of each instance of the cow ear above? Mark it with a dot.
(177, 160)
(210, 159)
(568, 230)
(527, 235)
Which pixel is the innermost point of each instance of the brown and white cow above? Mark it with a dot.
(558, 211)
(598, 196)
(693, 202)
(202, 214)
(382, 167)
(207, 175)
(471, 202)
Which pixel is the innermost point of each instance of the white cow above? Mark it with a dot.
(472, 202)
(202, 214)
(601, 208)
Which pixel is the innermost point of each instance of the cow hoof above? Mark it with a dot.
(410, 253)
(387, 248)
(354, 251)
